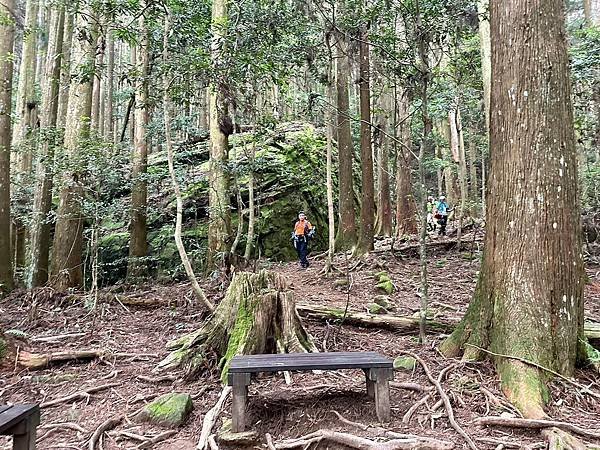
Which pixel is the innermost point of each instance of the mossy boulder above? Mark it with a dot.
(289, 173)
(382, 277)
(169, 410)
(386, 286)
(405, 363)
(383, 301)
(340, 282)
(374, 308)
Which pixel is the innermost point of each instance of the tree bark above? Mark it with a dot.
(529, 297)
(346, 235)
(367, 209)
(257, 315)
(98, 75)
(26, 104)
(65, 71)
(7, 31)
(27, 116)
(219, 228)
(251, 208)
(486, 69)
(384, 204)
(109, 123)
(66, 266)
(138, 243)
(406, 208)
(39, 245)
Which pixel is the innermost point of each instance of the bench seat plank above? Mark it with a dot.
(13, 415)
(308, 361)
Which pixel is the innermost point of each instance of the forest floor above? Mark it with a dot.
(284, 411)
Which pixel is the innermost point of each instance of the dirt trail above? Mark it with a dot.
(282, 410)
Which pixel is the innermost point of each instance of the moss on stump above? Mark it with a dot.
(170, 410)
(258, 315)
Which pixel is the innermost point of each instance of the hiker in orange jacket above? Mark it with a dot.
(303, 232)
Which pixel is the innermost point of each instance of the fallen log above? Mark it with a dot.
(386, 321)
(400, 323)
(36, 361)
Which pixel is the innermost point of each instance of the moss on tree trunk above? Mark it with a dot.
(257, 315)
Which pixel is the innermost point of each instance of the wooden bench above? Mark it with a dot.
(20, 422)
(378, 370)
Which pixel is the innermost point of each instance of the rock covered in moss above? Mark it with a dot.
(383, 301)
(374, 308)
(382, 276)
(340, 282)
(244, 438)
(386, 286)
(169, 410)
(405, 363)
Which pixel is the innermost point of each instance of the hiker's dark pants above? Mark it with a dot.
(302, 249)
(443, 221)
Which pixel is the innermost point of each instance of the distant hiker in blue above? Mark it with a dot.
(441, 214)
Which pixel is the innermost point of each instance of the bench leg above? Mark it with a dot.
(25, 437)
(240, 384)
(370, 385)
(381, 379)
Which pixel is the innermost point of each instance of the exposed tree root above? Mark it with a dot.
(211, 417)
(446, 401)
(560, 440)
(149, 443)
(361, 443)
(78, 395)
(104, 426)
(537, 424)
(393, 435)
(258, 310)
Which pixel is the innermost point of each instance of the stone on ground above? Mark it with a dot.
(169, 410)
(405, 363)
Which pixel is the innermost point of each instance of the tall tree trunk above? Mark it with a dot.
(219, 228)
(138, 244)
(251, 207)
(26, 104)
(39, 246)
(367, 211)
(529, 298)
(65, 72)
(27, 116)
(381, 139)
(406, 208)
(66, 265)
(347, 235)
(458, 149)
(473, 179)
(7, 31)
(424, 149)
(109, 122)
(97, 87)
(486, 69)
(591, 10)
(329, 123)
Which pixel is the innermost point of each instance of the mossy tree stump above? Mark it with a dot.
(258, 315)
